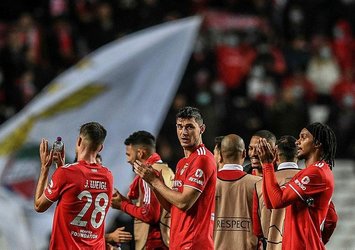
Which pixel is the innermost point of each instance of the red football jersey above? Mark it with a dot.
(84, 194)
(309, 194)
(193, 229)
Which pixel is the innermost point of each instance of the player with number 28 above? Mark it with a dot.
(83, 190)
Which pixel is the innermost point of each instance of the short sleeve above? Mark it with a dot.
(308, 182)
(199, 173)
(54, 187)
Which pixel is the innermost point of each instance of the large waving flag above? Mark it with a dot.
(127, 85)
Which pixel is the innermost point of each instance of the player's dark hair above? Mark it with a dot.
(95, 133)
(190, 112)
(286, 145)
(266, 134)
(141, 138)
(324, 135)
(218, 142)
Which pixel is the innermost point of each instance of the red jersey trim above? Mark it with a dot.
(230, 175)
(296, 191)
(193, 188)
(48, 198)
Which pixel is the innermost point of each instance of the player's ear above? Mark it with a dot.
(244, 154)
(101, 147)
(317, 144)
(202, 128)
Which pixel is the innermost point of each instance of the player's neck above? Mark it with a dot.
(189, 150)
(311, 160)
(88, 157)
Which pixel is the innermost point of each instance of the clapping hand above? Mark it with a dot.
(117, 199)
(265, 152)
(45, 154)
(147, 173)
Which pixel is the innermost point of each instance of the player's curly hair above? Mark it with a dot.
(324, 135)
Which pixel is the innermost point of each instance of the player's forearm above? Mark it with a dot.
(175, 198)
(266, 198)
(41, 184)
(145, 213)
(271, 188)
(163, 202)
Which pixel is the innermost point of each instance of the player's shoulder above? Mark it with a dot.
(317, 167)
(255, 178)
(68, 166)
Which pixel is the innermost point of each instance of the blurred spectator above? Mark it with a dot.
(104, 27)
(344, 45)
(323, 69)
(289, 113)
(234, 59)
(260, 86)
(296, 54)
(300, 86)
(62, 44)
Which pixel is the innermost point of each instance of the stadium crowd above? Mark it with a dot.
(256, 65)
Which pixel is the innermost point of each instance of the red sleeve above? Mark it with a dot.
(266, 197)
(55, 185)
(329, 223)
(255, 217)
(277, 197)
(149, 212)
(200, 172)
(309, 181)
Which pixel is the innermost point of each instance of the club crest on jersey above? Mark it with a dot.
(184, 168)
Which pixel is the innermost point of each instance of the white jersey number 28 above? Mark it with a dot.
(97, 210)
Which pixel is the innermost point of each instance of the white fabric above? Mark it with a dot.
(127, 85)
(231, 167)
(284, 165)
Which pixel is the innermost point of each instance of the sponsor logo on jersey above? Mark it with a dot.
(199, 182)
(177, 184)
(305, 180)
(198, 175)
(86, 234)
(298, 183)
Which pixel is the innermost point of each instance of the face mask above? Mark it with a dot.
(348, 101)
(325, 53)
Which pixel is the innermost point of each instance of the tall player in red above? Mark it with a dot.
(308, 195)
(191, 201)
(83, 191)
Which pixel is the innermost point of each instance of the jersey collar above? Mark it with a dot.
(231, 167)
(286, 165)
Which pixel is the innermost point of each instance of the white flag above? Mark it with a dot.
(127, 85)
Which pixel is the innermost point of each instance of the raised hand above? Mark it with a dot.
(146, 172)
(117, 199)
(265, 152)
(45, 154)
